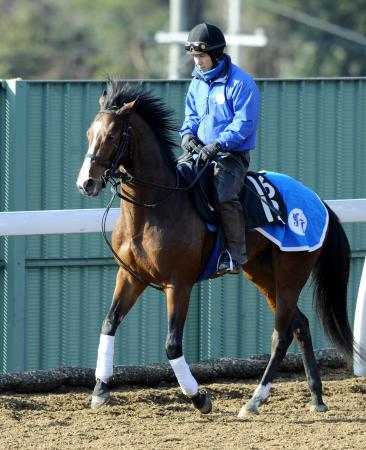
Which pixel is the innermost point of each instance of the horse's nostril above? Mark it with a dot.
(88, 184)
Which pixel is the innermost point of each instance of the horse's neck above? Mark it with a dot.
(150, 165)
(148, 161)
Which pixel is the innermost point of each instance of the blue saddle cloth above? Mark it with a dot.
(307, 220)
(304, 229)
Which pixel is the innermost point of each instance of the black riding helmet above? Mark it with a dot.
(204, 38)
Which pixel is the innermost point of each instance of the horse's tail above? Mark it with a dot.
(330, 278)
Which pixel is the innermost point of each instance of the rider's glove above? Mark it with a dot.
(210, 151)
(190, 144)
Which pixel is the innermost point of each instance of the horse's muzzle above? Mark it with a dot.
(90, 187)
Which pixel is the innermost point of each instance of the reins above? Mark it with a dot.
(129, 179)
(133, 181)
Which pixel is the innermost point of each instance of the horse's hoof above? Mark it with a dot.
(100, 396)
(248, 410)
(319, 408)
(202, 402)
(97, 402)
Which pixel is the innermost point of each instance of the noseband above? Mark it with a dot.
(123, 146)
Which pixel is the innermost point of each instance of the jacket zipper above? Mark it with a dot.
(207, 99)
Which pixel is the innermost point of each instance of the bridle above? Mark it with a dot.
(122, 147)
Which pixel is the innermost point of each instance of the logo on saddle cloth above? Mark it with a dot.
(297, 221)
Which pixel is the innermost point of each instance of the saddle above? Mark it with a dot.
(261, 201)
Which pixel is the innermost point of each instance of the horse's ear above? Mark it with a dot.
(128, 107)
(102, 99)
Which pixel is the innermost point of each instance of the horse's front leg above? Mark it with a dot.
(125, 295)
(177, 304)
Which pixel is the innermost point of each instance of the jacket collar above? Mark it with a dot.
(220, 77)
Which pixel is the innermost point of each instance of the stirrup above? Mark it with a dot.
(228, 265)
(231, 266)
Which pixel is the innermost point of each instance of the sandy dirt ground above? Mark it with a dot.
(161, 418)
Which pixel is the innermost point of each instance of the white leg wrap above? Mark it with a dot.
(104, 368)
(185, 379)
(261, 393)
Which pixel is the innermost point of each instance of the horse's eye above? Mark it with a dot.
(111, 137)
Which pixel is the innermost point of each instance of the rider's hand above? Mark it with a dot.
(190, 144)
(209, 151)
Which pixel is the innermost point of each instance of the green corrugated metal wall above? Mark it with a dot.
(57, 289)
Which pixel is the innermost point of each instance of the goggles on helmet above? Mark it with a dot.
(196, 46)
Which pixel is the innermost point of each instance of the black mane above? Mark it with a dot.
(150, 108)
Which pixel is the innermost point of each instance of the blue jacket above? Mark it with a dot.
(224, 109)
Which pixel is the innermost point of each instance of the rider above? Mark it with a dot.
(221, 112)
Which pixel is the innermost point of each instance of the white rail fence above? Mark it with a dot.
(25, 223)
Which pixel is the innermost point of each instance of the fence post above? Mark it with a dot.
(359, 329)
(14, 248)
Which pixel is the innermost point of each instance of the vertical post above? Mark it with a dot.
(234, 21)
(14, 247)
(177, 22)
(359, 328)
(3, 126)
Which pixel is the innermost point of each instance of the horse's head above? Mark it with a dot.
(108, 140)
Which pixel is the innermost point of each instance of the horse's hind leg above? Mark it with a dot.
(177, 303)
(261, 273)
(280, 344)
(303, 337)
(281, 285)
(125, 294)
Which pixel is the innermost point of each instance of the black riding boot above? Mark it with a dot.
(229, 176)
(233, 228)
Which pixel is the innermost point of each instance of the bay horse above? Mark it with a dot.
(159, 239)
